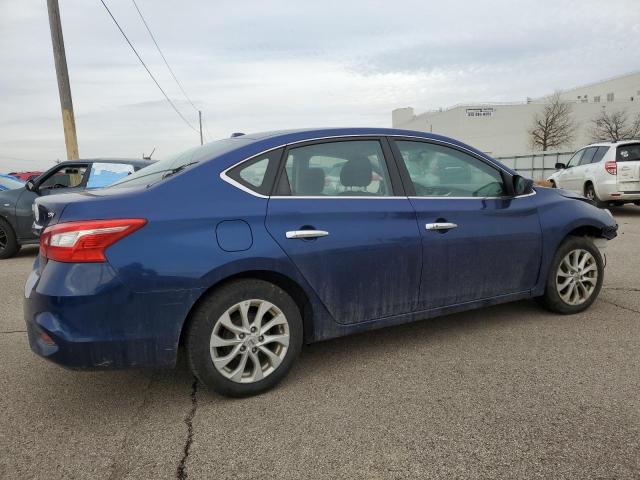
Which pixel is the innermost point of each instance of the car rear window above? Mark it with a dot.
(165, 168)
(628, 153)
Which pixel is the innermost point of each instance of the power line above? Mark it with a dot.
(147, 69)
(163, 57)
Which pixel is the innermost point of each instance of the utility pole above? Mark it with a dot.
(200, 118)
(68, 120)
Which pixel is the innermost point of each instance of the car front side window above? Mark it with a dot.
(439, 171)
(65, 177)
(575, 160)
(343, 168)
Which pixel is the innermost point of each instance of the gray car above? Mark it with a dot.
(16, 205)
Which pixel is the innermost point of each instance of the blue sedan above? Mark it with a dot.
(242, 250)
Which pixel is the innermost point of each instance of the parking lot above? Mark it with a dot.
(505, 392)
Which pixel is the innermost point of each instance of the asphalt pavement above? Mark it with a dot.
(505, 392)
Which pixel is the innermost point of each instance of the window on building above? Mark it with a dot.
(596, 99)
(609, 97)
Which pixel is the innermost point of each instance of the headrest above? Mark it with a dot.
(311, 181)
(357, 172)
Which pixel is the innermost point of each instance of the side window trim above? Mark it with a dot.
(282, 190)
(406, 178)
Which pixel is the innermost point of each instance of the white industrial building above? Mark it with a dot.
(500, 129)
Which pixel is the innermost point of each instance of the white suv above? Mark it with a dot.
(607, 173)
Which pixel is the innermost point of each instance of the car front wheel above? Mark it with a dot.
(575, 277)
(243, 339)
(590, 193)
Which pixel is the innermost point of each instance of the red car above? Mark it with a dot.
(25, 176)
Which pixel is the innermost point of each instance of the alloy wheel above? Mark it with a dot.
(249, 341)
(577, 277)
(590, 193)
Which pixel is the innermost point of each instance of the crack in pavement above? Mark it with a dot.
(622, 289)
(620, 306)
(181, 472)
(13, 331)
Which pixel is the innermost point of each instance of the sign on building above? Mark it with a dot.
(480, 112)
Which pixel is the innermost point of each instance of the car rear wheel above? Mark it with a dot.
(244, 337)
(590, 193)
(575, 278)
(9, 245)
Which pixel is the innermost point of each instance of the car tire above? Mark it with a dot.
(567, 276)
(9, 245)
(637, 203)
(590, 193)
(224, 351)
(553, 184)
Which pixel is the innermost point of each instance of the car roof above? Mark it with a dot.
(610, 144)
(297, 135)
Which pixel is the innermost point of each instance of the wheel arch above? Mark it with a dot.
(290, 286)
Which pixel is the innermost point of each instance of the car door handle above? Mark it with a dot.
(306, 233)
(440, 226)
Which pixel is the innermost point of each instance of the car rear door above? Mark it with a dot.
(628, 167)
(354, 237)
(476, 243)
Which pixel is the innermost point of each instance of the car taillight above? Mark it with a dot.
(85, 241)
(611, 167)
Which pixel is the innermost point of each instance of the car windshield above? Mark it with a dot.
(9, 183)
(176, 163)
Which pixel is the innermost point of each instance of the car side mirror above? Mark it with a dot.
(560, 166)
(31, 186)
(522, 186)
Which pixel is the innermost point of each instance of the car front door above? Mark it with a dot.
(341, 217)
(477, 243)
(64, 179)
(569, 177)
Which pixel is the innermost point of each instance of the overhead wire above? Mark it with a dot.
(163, 57)
(147, 69)
(166, 62)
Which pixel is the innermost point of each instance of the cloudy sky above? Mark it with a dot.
(263, 65)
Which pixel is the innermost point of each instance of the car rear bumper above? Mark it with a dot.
(81, 316)
(609, 191)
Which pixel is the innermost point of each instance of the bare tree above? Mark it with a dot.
(614, 126)
(554, 126)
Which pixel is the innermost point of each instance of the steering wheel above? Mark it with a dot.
(492, 189)
(432, 191)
